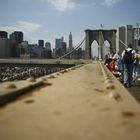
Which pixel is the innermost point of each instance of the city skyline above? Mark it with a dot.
(51, 19)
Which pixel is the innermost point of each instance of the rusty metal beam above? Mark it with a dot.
(81, 103)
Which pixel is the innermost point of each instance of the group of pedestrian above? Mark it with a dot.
(127, 63)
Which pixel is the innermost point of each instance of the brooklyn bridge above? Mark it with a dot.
(72, 100)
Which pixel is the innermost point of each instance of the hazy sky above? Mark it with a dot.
(50, 19)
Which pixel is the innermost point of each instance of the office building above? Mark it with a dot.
(17, 36)
(124, 36)
(4, 48)
(48, 45)
(41, 43)
(136, 29)
(70, 41)
(3, 34)
(58, 43)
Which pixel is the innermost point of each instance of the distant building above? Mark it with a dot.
(63, 48)
(14, 49)
(36, 51)
(129, 34)
(48, 45)
(41, 43)
(70, 46)
(3, 34)
(125, 35)
(17, 36)
(23, 47)
(120, 36)
(4, 48)
(60, 47)
(46, 54)
(136, 29)
(15, 39)
(70, 41)
(58, 43)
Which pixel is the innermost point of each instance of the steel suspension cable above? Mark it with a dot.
(72, 50)
(121, 41)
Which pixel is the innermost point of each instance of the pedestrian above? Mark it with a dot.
(118, 61)
(128, 59)
(136, 66)
(110, 63)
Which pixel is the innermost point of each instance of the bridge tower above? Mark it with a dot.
(100, 36)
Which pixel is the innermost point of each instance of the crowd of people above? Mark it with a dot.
(126, 64)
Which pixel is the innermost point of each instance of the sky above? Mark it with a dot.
(50, 19)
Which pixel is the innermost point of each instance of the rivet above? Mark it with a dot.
(106, 77)
(110, 86)
(44, 79)
(115, 95)
(108, 81)
(51, 76)
(31, 79)
(62, 71)
(58, 74)
(10, 86)
(73, 68)
(65, 70)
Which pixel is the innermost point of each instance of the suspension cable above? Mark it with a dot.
(116, 37)
(72, 50)
(121, 41)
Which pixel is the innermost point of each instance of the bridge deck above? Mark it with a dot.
(41, 61)
(83, 103)
(135, 91)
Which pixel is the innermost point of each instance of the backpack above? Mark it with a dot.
(128, 57)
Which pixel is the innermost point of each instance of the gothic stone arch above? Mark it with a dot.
(100, 36)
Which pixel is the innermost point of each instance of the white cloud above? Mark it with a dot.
(111, 2)
(86, 4)
(62, 5)
(26, 27)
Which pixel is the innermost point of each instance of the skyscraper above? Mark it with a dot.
(41, 43)
(3, 34)
(4, 48)
(48, 45)
(58, 43)
(124, 37)
(17, 36)
(70, 41)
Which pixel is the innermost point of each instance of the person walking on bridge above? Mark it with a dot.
(136, 66)
(128, 59)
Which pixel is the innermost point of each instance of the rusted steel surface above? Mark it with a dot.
(11, 90)
(80, 103)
